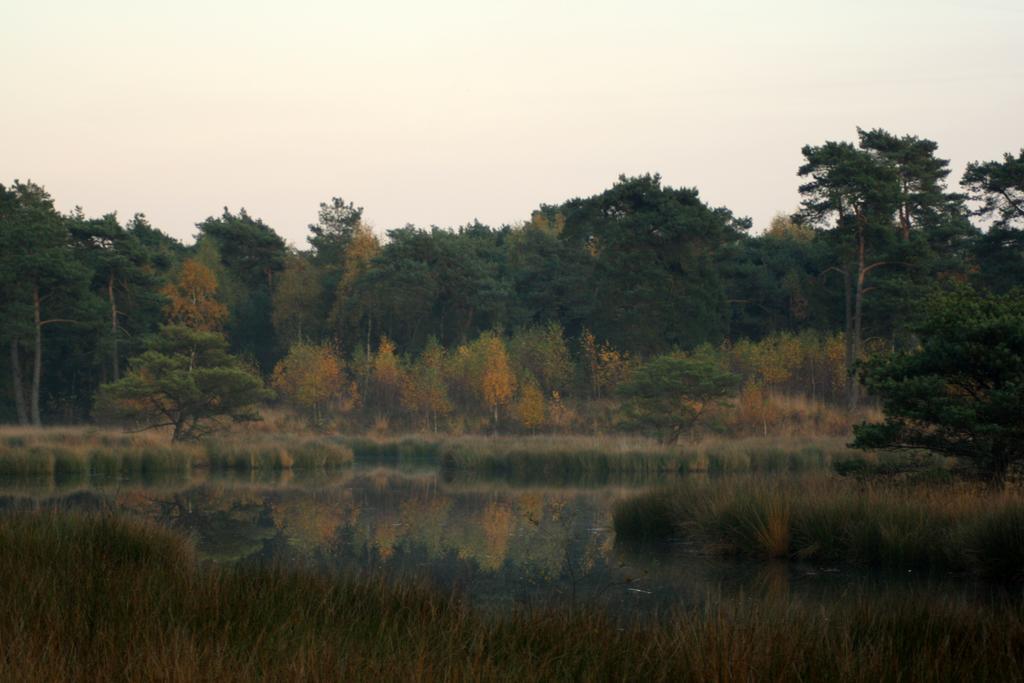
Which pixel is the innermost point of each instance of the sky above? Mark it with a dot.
(441, 112)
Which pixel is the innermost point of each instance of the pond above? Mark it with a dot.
(499, 542)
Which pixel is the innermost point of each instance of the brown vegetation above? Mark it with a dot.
(108, 599)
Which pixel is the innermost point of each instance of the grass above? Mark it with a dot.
(822, 518)
(106, 599)
(77, 455)
(570, 457)
(81, 454)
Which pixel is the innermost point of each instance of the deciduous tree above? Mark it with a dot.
(309, 377)
(192, 299)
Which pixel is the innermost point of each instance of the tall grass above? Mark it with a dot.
(105, 598)
(567, 457)
(825, 518)
(77, 456)
(70, 455)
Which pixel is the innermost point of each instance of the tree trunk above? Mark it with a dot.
(855, 326)
(904, 213)
(19, 383)
(814, 384)
(369, 328)
(113, 327)
(179, 427)
(905, 223)
(848, 338)
(37, 361)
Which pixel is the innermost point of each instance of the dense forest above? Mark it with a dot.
(525, 327)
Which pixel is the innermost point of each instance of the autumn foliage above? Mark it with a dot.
(192, 299)
(309, 377)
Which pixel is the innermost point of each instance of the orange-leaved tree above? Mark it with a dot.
(192, 299)
(309, 377)
(529, 408)
(497, 381)
(424, 390)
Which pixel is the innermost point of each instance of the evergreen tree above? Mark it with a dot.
(186, 381)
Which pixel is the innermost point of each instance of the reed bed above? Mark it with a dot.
(566, 457)
(79, 456)
(82, 455)
(103, 598)
(828, 519)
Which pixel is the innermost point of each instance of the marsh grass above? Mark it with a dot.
(104, 598)
(570, 457)
(403, 450)
(77, 456)
(822, 518)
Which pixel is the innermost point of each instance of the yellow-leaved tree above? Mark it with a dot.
(497, 381)
(309, 377)
(424, 390)
(385, 383)
(192, 299)
(529, 408)
(348, 309)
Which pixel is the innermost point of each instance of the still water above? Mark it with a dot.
(499, 542)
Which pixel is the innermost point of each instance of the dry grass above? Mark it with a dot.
(79, 455)
(73, 455)
(108, 599)
(781, 415)
(579, 456)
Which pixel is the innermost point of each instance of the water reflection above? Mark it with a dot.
(500, 542)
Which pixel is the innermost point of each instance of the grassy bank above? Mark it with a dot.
(824, 518)
(571, 456)
(103, 598)
(84, 455)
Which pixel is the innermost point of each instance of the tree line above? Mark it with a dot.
(491, 327)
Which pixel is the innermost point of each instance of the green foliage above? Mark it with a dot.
(655, 280)
(961, 392)
(336, 224)
(581, 292)
(298, 302)
(186, 381)
(999, 187)
(670, 394)
(251, 255)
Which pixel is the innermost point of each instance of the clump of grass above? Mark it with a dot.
(245, 456)
(399, 450)
(830, 519)
(69, 466)
(25, 461)
(768, 455)
(106, 598)
(320, 454)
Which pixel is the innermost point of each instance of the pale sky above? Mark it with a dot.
(443, 111)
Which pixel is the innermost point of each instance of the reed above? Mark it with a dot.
(103, 598)
(825, 518)
(567, 457)
(71, 456)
